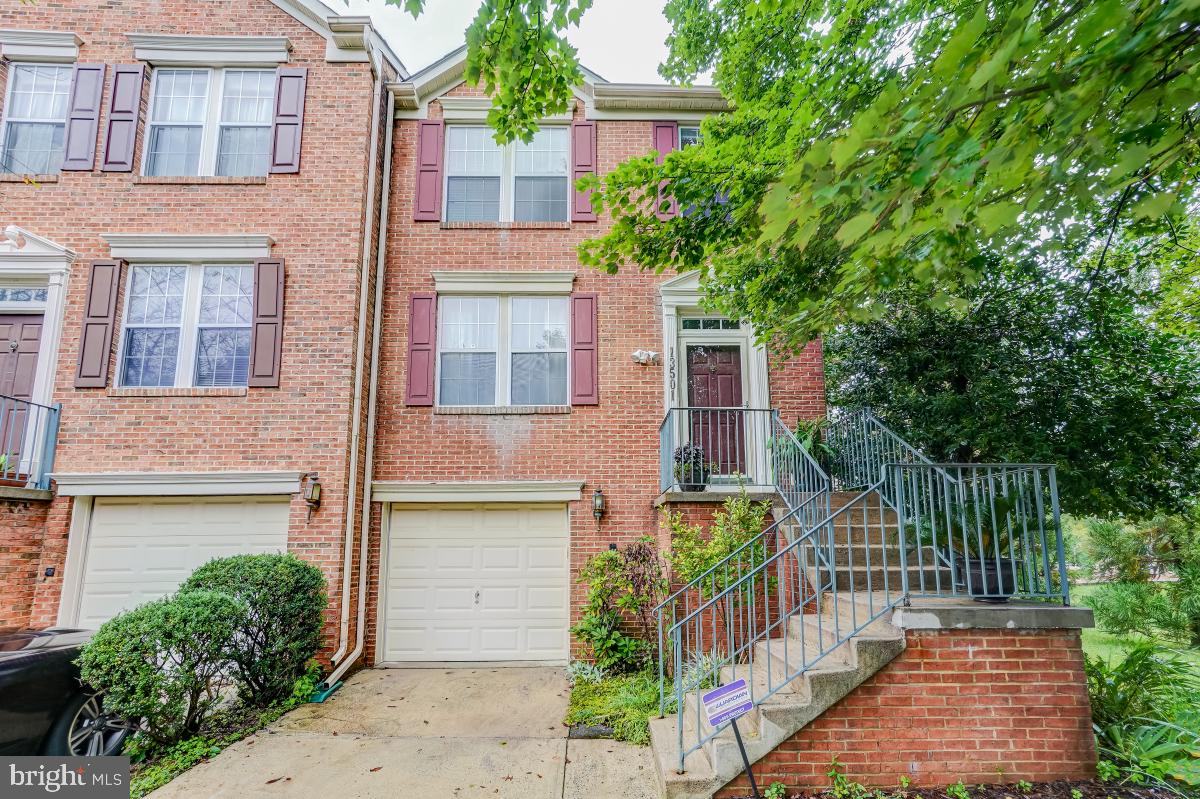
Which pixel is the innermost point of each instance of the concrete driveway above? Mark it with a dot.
(427, 734)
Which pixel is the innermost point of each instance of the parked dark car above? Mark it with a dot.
(44, 707)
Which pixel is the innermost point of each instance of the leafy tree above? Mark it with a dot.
(1048, 363)
(1152, 575)
(881, 143)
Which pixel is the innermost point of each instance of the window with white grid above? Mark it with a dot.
(35, 116)
(542, 177)
(187, 325)
(523, 182)
(502, 350)
(689, 135)
(210, 122)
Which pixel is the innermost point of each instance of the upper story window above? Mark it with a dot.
(35, 116)
(210, 122)
(504, 350)
(187, 325)
(518, 182)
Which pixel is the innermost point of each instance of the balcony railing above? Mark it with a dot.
(720, 447)
(28, 438)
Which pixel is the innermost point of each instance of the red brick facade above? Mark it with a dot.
(981, 706)
(22, 526)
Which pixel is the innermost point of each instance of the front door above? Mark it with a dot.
(20, 337)
(715, 381)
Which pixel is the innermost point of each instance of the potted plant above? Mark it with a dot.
(981, 551)
(691, 469)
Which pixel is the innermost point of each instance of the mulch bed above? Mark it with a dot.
(1061, 789)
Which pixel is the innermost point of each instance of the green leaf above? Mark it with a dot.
(854, 228)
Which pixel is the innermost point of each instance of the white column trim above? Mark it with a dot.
(75, 562)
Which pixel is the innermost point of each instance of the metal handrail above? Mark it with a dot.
(984, 504)
(28, 439)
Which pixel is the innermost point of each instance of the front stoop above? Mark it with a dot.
(782, 715)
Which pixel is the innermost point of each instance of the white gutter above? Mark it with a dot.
(359, 350)
(376, 337)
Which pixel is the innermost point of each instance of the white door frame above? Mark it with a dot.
(28, 260)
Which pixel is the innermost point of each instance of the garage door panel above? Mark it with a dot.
(142, 548)
(472, 582)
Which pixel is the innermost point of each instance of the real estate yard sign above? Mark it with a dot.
(727, 704)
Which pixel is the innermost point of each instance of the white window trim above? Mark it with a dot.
(210, 127)
(191, 249)
(7, 120)
(508, 179)
(39, 46)
(503, 351)
(472, 281)
(189, 326)
(175, 50)
(481, 491)
(679, 134)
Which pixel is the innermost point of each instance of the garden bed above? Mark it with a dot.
(1062, 789)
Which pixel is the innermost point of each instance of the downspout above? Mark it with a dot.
(376, 337)
(359, 350)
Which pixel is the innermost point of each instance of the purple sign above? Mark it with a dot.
(727, 702)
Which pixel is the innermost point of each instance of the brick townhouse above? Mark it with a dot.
(191, 196)
(265, 290)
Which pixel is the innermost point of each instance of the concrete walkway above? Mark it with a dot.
(427, 734)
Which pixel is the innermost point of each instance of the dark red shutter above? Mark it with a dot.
(83, 117)
(289, 119)
(666, 140)
(422, 348)
(99, 319)
(585, 364)
(266, 333)
(124, 105)
(583, 161)
(427, 204)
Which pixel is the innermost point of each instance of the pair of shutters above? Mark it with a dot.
(124, 106)
(431, 149)
(584, 363)
(100, 318)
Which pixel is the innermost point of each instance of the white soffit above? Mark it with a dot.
(498, 491)
(484, 282)
(134, 247)
(166, 49)
(20, 45)
(176, 484)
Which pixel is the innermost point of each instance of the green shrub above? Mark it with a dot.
(284, 600)
(693, 552)
(165, 662)
(624, 703)
(624, 586)
(1153, 575)
(1143, 714)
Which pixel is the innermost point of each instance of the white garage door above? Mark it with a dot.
(477, 582)
(142, 548)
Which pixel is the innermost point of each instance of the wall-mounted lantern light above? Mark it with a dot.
(312, 493)
(599, 506)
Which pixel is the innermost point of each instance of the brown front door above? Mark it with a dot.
(715, 381)
(20, 337)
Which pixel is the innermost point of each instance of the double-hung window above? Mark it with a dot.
(35, 117)
(210, 122)
(187, 325)
(522, 182)
(689, 135)
(502, 350)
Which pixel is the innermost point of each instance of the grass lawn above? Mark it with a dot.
(1098, 643)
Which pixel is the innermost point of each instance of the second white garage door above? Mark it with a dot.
(477, 582)
(142, 548)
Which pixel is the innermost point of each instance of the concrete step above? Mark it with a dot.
(779, 716)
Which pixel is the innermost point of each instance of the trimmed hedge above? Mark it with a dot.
(283, 600)
(165, 662)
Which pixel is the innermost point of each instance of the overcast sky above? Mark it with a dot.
(622, 40)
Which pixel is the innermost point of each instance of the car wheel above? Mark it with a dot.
(85, 729)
